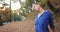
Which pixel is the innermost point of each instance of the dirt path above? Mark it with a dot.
(18, 26)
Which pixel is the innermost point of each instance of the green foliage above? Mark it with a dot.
(43, 1)
(29, 2)
(16, 17)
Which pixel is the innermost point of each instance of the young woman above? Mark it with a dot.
(43, 19)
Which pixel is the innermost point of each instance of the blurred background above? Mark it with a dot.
(18, 16)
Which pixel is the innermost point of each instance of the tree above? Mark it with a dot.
(52, 7)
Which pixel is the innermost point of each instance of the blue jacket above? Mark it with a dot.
(41, 23)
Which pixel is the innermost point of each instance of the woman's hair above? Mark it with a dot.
(42, 5)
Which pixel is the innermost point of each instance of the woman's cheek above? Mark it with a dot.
(36, 8)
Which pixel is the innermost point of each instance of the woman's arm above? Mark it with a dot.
(51, 23)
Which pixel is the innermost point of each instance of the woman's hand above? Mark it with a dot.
(54, 30)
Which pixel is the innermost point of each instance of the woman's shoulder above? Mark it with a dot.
(48, 12)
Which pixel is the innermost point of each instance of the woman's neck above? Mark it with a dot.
(41, 10)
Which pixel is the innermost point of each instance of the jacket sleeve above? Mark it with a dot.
(51, 23)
